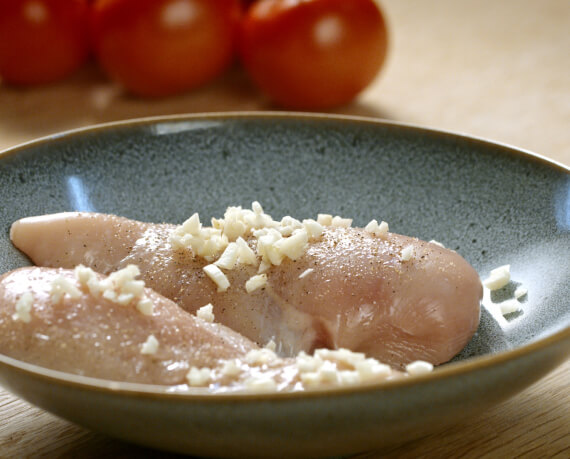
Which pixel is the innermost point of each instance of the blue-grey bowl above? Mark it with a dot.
(492, 203)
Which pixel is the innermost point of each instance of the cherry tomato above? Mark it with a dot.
(162, 47)
(311, 54)
(247, 3)
(42, 40)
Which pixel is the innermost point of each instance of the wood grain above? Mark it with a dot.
(498, 70)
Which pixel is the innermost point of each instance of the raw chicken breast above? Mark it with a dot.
(113, 328)
(68, 239)
(93, 336)
(349, 289)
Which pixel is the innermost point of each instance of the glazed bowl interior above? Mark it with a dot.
(492, 203)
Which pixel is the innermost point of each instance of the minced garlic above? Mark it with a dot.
(150, 346)
(260, 370)
(293, 246)
(120, 287)
(61, 287)
(509, 306)
(377, 229)
(145, 306)
(340, 366)
(246, 255)
(231, 368)
(224, 246)
(207, 242)
(260, 356)
(498, 278)
(199, 376)
(217, 276)
(407, 253)
(206, 313)
(256, 282)
(306, 273)
(340, 222)
(229, 258)
(419, 367)
(24, 307)
(325, 219)
(520, 291)
(314, 229)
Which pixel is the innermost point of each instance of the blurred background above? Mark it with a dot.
(498, 70)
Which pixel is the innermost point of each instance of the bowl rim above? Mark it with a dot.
(275, 115)
(160, 392)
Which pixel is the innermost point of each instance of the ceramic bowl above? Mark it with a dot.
(492, 203)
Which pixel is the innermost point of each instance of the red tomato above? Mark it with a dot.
(162, 47)
(42, 40)
(247, 3)
(311, 54)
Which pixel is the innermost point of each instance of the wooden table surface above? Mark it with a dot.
(499, 70)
